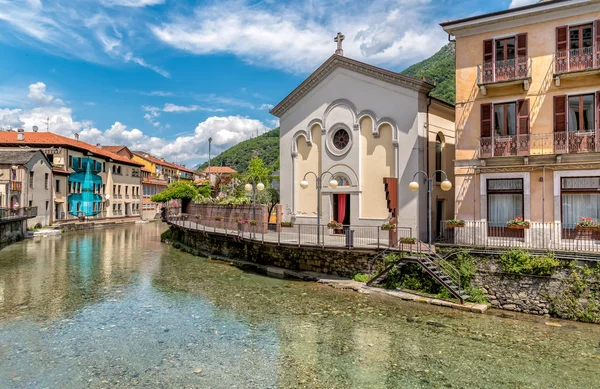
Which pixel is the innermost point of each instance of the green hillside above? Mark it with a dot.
(439, 69)
(237, 157)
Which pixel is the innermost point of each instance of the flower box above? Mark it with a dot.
(518, 227)
(455, 223)
(587, 224)
(287, 224)
(334, 225)
(388, 227)
(587, 228)
(408, 240)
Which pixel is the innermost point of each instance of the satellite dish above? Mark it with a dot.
(107, 196)
(35, 128)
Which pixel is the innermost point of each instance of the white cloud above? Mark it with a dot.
(191, 108)
(188, 147)
(131, 3)
(37, 94)
(297, 37)
(129, 57)
(158, 93)
(265, 107)
(521, 3)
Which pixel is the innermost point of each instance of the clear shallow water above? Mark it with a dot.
(116, 308)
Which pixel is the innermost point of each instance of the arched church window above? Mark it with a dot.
(439, 146)
(342, 180)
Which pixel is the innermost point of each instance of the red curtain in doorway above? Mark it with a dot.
(341, 213)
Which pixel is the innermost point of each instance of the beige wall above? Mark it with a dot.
(307, 160)
(541, 47)
(441, 121)
(377, 161)
(40, 195)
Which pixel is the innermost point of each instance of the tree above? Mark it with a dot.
(257, 169)
(182, 190)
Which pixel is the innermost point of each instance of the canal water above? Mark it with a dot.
(116, 308)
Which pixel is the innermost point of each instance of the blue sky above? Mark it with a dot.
(164, 75)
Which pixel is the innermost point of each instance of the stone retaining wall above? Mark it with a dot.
(12, 231)
(344, 263)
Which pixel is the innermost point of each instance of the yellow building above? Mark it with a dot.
(527, 120)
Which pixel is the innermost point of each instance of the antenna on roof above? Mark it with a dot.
(47, 123)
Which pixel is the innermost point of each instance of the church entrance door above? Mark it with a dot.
(341, 208)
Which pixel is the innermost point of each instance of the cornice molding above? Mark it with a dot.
(337, 61)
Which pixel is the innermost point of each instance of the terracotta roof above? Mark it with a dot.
(154, 181)
(146, 170)
(113, 149)
(158, 161)
(43, 139)
(220, 169)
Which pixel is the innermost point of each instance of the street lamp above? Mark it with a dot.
(414, 186)
(254, 188)
(332, 184)
(209, 142)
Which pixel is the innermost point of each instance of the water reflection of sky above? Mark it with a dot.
(115, 308)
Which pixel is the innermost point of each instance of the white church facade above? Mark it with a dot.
(366, 126)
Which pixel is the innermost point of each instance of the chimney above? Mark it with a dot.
(146, 156)
(76, 136)
(21, 135)
(98, 145)
(162, 160)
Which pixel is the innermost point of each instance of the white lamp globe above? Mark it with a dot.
(248, 187)
(260, 186)
(333, 184)
(414, 186)
(304, 184)
(446, 185)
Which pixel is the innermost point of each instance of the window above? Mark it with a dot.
(505, 201)
(505, 49)
(103, 188)
(438, 157)
(580, 197)
(505, 119)
(47, 205)
(46, 180)
(342, 180)
(70, 161)
(581, 38)
(78, 207)
(57, 186)
(119, 189)
(126, 187)
(31, 175)
(581, 113)
(30, 203)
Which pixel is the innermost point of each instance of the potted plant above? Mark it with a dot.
(198, 217)
(518, 224)
(455, 223)
(387, 226)
(218, 218)
(253, 222)
(287, 224)
(407, 240)
(334, 225)
(587, 224)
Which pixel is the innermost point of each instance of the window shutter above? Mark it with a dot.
(523, 117)
(597, 111)
(486, 120)
(488, 51)
(597, 41)
(562, 38)
(521, 46)
(560, 114)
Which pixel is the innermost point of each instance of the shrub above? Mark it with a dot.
(406, 240)
(360, 277)
(334, 224)
(253, 222)
(218, 218)
(287, 224)
(388, 226)
(454, 222)
(522, 262)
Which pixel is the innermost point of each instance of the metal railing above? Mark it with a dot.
(552, 236)
(16, 186)
(503, 71)
(576, 60)
(504, 146)
(301, 235)
(10, 213)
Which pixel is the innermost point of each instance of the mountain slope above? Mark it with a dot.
(439, 69)
(237, 157)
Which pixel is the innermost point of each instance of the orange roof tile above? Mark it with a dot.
(158, 161)
(43, 139)
(220, 169)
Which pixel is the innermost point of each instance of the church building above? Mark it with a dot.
(371, 130)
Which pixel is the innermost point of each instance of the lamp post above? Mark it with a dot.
(209, 142)
(254, 187)
(332, 184)
(414, 186)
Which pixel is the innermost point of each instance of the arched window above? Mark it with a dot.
(439, 146)
(342, 180)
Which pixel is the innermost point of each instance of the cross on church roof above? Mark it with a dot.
(338, 39)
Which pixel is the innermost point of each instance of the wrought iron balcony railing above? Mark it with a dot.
(505, 146)
(577, 60)
(510, 70)
(16, 186)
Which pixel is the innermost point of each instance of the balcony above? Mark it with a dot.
(504, 146)
(576, 142)
(577, 62)
(504, 73)
(16, 186)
